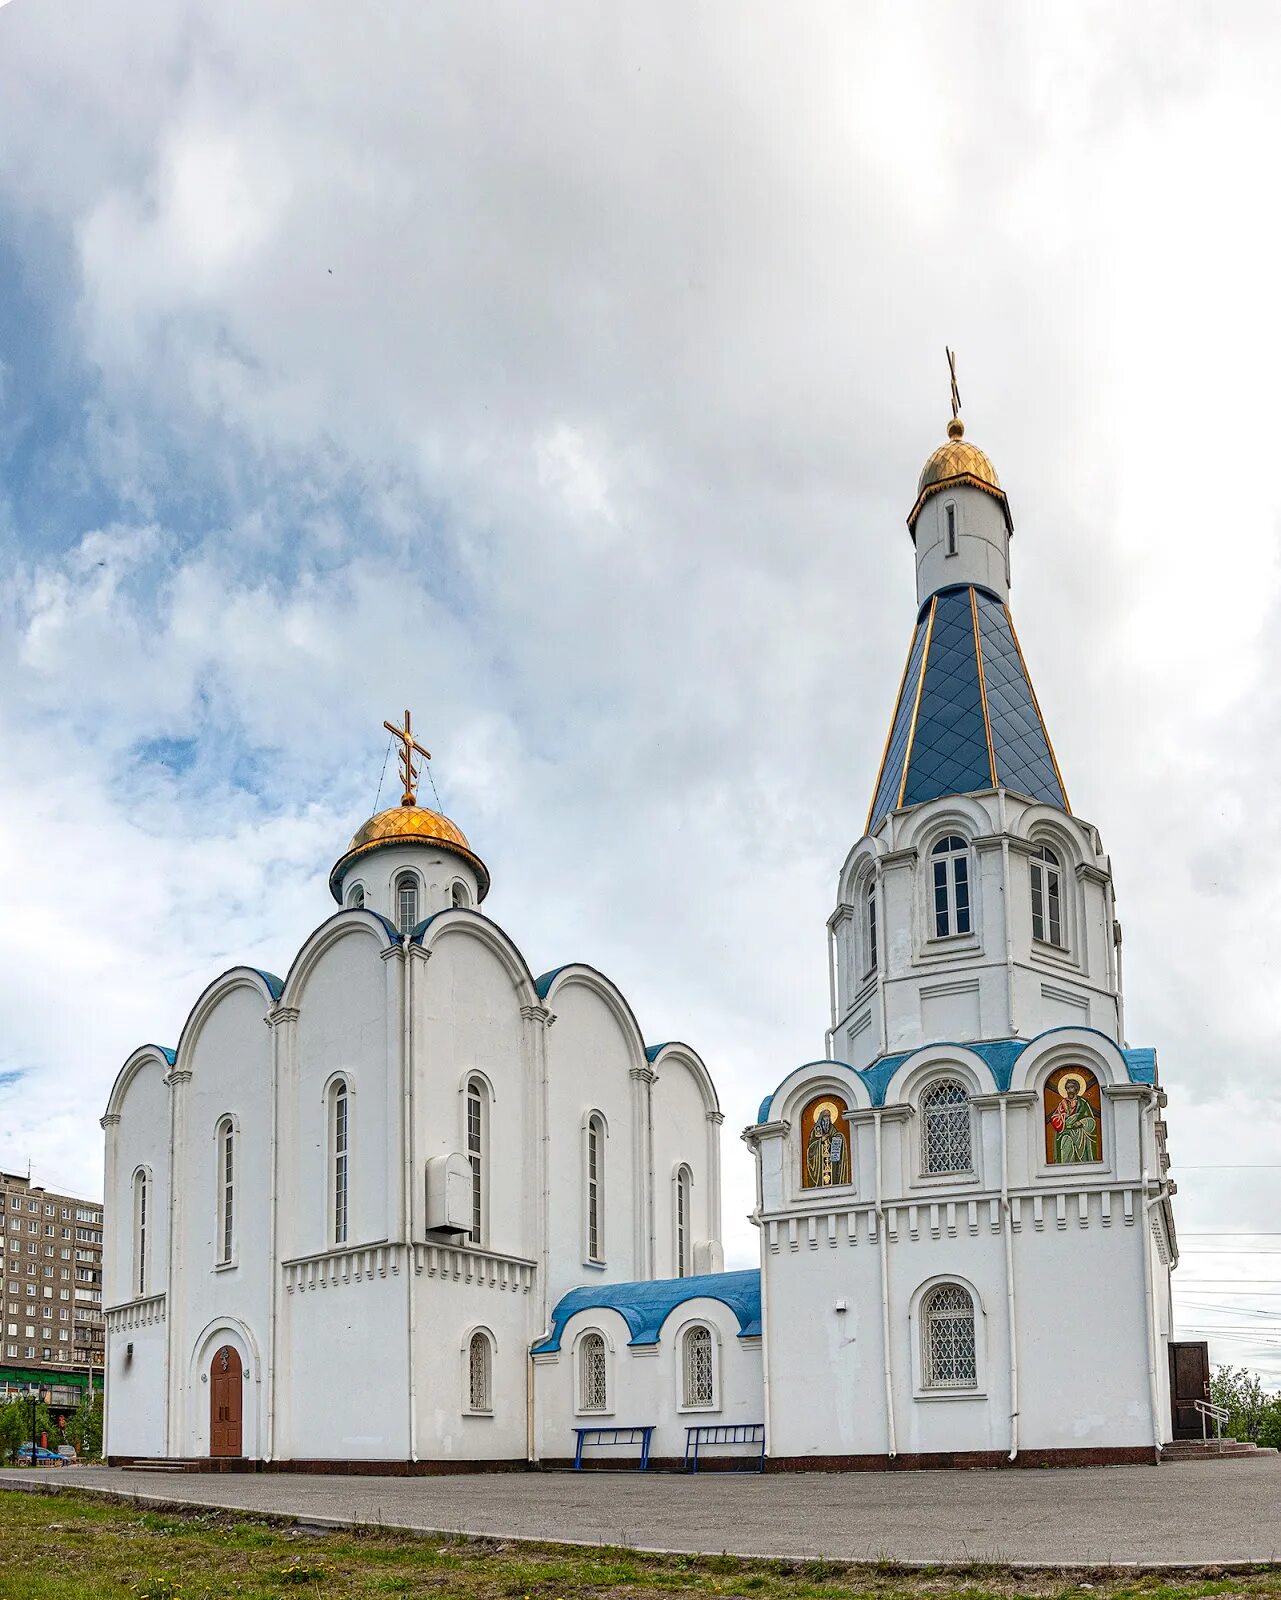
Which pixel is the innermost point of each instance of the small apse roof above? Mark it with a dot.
(966, 716)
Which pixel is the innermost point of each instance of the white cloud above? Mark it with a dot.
(565, 372)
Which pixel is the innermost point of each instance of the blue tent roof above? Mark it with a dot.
(646, 1306)
(966, 716)
(1000, 1055)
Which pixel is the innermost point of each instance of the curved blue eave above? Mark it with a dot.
(275, 985)
(999, 1054)
(646, 1306)
(543, 985)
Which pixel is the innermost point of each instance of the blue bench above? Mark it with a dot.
(752, 1433)
(612, 1436)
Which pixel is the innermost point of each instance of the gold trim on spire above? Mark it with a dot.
(978, 656)
(916, 706)
(408, 766)
(885, 752)
(1049, 743)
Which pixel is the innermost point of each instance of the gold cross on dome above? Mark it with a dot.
(408, 768)
(956, 393)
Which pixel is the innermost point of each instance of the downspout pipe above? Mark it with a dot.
(1008, 1230)
(1146, 1246)
(883, 1242)
(407, 1182)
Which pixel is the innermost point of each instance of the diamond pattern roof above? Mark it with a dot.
(940, 740)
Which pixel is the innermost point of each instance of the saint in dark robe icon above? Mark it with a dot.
(827, 1154)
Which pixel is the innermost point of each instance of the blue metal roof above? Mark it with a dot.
(999, 1054)
(275, 985)
(543, 984)
(964, 661)
(646, 1306)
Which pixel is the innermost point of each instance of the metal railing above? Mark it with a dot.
(1208, 1412)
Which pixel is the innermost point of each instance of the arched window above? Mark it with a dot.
(356, 896)
(479, 1373)
(459, 896)
(1047, 914)
(141, 1225)
(406, 902)
(945, 1127)
(683, 1185)
(478, 1156)
(949, 1359)
(698, 1380)
(225, 1148)
(339, 1159)
(593, 1391)
(870, 943)
(951, 857)
(949, 514)
(594, 1179)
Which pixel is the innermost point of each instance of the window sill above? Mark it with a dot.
(588, 1417)
(704, 1410)
(931, 1395)
(595, 1266)
(474, 1412)
(966, 1178)
(226, 1266)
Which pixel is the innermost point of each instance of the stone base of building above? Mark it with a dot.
(936, 1461)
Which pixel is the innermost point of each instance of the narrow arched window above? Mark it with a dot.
(698, 1384)
(949, 1356)
(870, 942)
(683, 1185)
(225, 1147)
(945, 1127)
(1047, 912)
(356, 896)
(459, 896)
(339, 1159)
(949, 513)
(479, 1373)
(406, 902)
(593, 1391)
(141, 1224)
(478, 1156)
(594, 1177)
(951, 858)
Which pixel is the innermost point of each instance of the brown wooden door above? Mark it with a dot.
(226, 1403)
(1189, 1381)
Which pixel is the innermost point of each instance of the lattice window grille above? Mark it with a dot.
(699, 1382)
(945, 1107)
(950, 1358)
(478, 1373)
(592, 1392)
(475, 1159)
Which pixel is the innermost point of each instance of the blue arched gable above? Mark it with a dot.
(645, 1307)
(999, 1054)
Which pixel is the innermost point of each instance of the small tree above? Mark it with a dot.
(84, 1428)
(15, 1425)
(1244, 1398)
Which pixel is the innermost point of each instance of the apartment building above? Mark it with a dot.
(51, 1293)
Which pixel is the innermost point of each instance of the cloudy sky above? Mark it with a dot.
(564, 372)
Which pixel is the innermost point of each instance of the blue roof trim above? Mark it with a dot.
(275, 985)
(947, 754)
(645, 1307)
(999, 1054)
(171, 1056)
(543, 984)
(653, 1051)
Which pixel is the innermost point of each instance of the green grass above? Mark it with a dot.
(69, 1546)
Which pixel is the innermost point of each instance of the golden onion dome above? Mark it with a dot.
(957, 461)
(409, 825)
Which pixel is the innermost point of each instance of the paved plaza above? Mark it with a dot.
(1188, 1514)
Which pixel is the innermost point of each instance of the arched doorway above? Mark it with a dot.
(226, 1403)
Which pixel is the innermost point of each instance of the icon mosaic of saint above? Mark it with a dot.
(1073, 1123)
(827, 1147)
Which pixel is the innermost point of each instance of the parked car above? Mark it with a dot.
(44, 1458)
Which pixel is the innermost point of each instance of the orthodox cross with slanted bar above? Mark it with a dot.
(956, 393)
(408, 767)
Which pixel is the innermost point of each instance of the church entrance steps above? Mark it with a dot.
(1213, 1450)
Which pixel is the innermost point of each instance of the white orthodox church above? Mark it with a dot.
(414, 1208)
